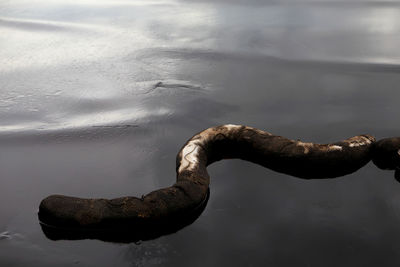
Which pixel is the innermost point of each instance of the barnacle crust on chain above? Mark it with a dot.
(301, 159)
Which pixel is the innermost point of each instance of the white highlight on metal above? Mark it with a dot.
(359, 144)
(306, 146)
(190, 153)
(231, 126)
(335, 147)
(355, 144)
(360, 141)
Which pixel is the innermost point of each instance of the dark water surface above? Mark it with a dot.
(97, 98)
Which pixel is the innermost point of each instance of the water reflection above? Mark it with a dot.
(31, 25)
(92, 51)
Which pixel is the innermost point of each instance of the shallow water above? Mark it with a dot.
(97, 98)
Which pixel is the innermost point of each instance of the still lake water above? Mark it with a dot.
(97, 97)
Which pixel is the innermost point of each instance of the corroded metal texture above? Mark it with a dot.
(293, 157)
(386, 153)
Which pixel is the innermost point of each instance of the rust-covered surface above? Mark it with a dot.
(189, 193)
(386, 153)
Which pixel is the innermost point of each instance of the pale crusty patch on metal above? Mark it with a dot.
(334, 148)
(231, 127)
(360, 140)
(189, 156)
(306, 146)
(190, 152)
(309, 146)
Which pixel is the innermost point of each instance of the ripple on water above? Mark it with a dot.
(5, 235)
